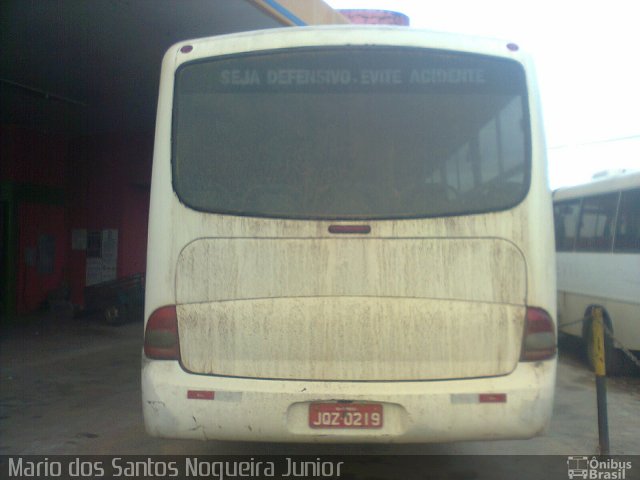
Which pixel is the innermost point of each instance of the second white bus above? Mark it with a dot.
(350, 240)
(598, 249)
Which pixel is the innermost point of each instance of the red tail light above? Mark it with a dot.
(539, 342)
(161, 335)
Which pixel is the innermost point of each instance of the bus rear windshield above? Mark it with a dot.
(351, 133)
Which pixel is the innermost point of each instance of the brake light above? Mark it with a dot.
(539, 342)
(349, 229)
(161, 335)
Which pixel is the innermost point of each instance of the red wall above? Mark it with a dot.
(104, 181)
(32, 160)
(33, 285)
(30, 157)
(113, 193)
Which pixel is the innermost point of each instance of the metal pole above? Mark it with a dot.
(601, 386)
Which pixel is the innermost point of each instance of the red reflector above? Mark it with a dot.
(186, 49)
(161, 335)
(349, 229)
(201, 394)
(492, 398)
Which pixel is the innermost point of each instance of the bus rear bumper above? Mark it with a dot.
(177, 404)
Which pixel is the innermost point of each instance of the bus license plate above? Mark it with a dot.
(345, 415)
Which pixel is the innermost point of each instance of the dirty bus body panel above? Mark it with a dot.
(350, 240)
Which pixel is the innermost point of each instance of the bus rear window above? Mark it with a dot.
(351, 133)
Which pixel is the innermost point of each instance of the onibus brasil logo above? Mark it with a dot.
(597, 469)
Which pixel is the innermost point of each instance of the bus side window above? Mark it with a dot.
(628, 226)
(565, 220)
(595, 232)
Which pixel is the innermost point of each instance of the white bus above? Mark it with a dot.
(598, 249)
(350, 239)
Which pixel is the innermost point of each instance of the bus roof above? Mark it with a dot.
(327, 35)
(612, 183)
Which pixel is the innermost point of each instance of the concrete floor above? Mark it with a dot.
(72, 387)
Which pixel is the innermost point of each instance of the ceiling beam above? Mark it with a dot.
(297, 13)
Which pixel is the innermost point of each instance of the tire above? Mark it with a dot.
(612, 356)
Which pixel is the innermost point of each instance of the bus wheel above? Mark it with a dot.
(613, 356)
